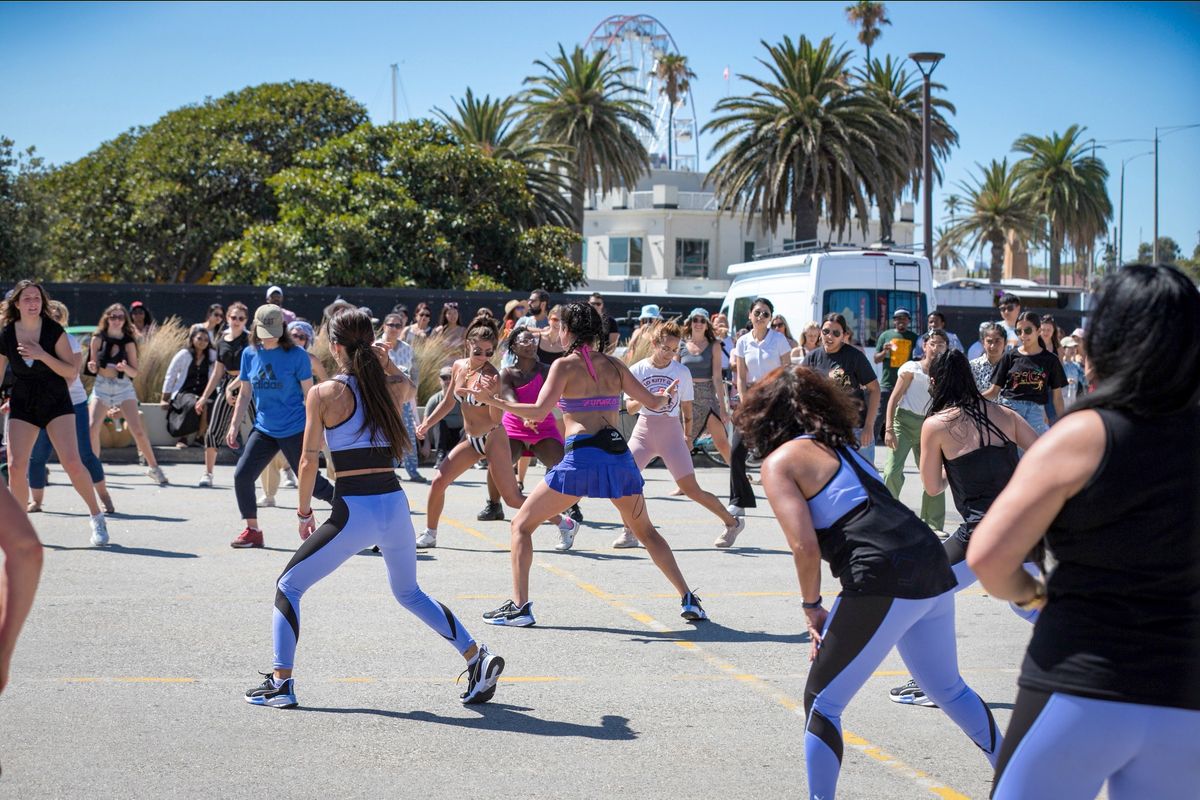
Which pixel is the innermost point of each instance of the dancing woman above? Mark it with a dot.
(700, 352)
(358, 414)
(42, 363)
(224, 379)
(1109, 689)
(587, 386)
(486, 437)
(897, 586)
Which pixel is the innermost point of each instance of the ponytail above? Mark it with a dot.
(351, 329)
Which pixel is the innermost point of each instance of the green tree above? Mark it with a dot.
(1068, 186)
(868, 17)
(583, 101)
(22, 213)
(806, 141)
(494, 126)
(676, 76)
(995, 205)
(1169, 251)
(156, 203)
(401, 205)
(902, 94)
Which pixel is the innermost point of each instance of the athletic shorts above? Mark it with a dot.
(37, 401)
(661, 436)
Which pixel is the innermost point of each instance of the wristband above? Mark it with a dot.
(304, 516)
(817, 604)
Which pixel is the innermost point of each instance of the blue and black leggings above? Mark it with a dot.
(367, 510)
(859, 633)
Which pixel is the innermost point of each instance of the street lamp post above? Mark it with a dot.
(926, 63)
(1121, 213)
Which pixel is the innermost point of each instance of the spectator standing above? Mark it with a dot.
(224, 380)
(1051, 334)
(720, 324)
(214, 322)
(513, 311)
(401, 354)
(755, 355)
(779, 323)
(937, 322)
(1028, 377)
(993, 341)
(612, 335)
(189, 370)
(893, 349)
(1073, 368)
(275, 298)
(849, 368)
(550, 347)
(451, 331)
(649, 315)
(538, 316)
(449, 428)
(401, 310)
(905, 415)
(422, 324)
(810, 340)
(141, 319)
(976, 348)
(1010, 308)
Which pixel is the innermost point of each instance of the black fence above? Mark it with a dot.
(87, 301)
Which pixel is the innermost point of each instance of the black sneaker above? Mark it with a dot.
(511, 615)
(574, 513)
(910, 695)
(692, 611)
(482, 677)
(268, 694)
(491, 512)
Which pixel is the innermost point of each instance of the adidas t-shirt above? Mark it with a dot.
(275, 377)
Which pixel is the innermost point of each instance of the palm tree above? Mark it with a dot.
(995, 205)
(806, 141)
(1069, 187)
(901, 93)
(868, 16)
(953, 203)
(672, 69)
(493, 126)
(582, 101)
(946, 252)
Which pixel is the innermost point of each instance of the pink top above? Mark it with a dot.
(515, 426)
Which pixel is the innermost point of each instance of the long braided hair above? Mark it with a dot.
(585, 323)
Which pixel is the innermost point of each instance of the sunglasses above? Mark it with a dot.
(393, 325)
(217, 314)
(698, 320)
(1027, 331)
(830, 332)
(477, 352)
(760, 314)
(1008, 306)
(424, 314)
(596, 304)
(299, 337)
(237, 319)
(444, 377)
(116, 316)
(451, 305)
(779, 325)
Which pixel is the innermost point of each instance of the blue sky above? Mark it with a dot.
(75, 75)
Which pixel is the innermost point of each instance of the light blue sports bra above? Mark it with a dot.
(841, 495)
(352, 434)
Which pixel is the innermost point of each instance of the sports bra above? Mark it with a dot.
(575, 405)
(843, 493)
(352, 443)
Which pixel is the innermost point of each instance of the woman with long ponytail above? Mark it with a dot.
(358, 414)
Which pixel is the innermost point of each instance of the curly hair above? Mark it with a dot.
(584, 322)
(351, 328)
(668, 329)
(791, 401)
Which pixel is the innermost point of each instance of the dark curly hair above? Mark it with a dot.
(791, 401)
(585, 323)
(351, 328)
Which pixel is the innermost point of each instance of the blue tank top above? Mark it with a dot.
(353, 433)
(843, 493)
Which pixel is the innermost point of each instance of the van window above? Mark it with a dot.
(868, 312)
(741, 313)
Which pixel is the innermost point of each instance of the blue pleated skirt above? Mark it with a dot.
(591, 472)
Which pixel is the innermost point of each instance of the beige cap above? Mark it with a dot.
(1069, 341)
(268, 322)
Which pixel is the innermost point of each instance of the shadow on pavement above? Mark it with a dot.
(129, 551)
(735, 550)
(498, 716)
(123, 515)
(699, 633)
(597, 555)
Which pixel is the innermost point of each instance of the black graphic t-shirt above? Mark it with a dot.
(848, 368)
(1029, 378)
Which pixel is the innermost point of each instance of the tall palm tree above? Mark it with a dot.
(901, 92)
(582, 101)
(806, 141)
(946, 250)
(1069, 187)
(995, 205)
(953, 203)
(493, 126)
(869, 17)
(672, 69)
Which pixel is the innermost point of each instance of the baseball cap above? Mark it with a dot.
(268, 322)
(901, 312)
(446, 372)
(698, 312)
(650, 311)
(273, 289)
(1069, 341)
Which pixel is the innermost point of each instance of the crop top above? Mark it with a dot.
(574, 405)
(112, 352)
(352, 443)
(229, 352)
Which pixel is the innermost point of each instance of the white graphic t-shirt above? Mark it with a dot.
(656, 380)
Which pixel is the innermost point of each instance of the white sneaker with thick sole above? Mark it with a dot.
(626, 539)
(156, 473)
(99, 531)
(567, 528)
(735, 510)
(266, 502)
(289, 479)
(731, 532)
(206, 481)
(427, 539)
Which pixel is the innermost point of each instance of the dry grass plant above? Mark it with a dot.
(154, 356)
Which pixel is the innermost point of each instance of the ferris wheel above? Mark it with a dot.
(638, 41)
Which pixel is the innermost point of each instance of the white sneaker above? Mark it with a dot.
(206, 481)
(156, 473)
(735, 510)
(99, 531)
(567, 528)
(266, 502)
(289, 479)
(626, 539)
(731, 533)
(427, 539)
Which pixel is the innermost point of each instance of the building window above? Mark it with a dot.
(625, 255)
(691, 258)
(747, 251)
(583, 254)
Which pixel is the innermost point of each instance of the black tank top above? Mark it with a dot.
(976, 480)
(112, 352)
(230, 353)
(547, 357)
(1122, 621)
(882, 548)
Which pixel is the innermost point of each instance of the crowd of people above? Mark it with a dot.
(1042, 439)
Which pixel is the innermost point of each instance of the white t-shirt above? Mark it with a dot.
(916, 399)
(761, 357)
(656, 380)
(75, 386)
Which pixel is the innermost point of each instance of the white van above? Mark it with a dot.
(865, 286)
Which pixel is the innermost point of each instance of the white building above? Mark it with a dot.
(667, 236)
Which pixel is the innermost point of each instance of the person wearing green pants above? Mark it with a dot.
(902, 430)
